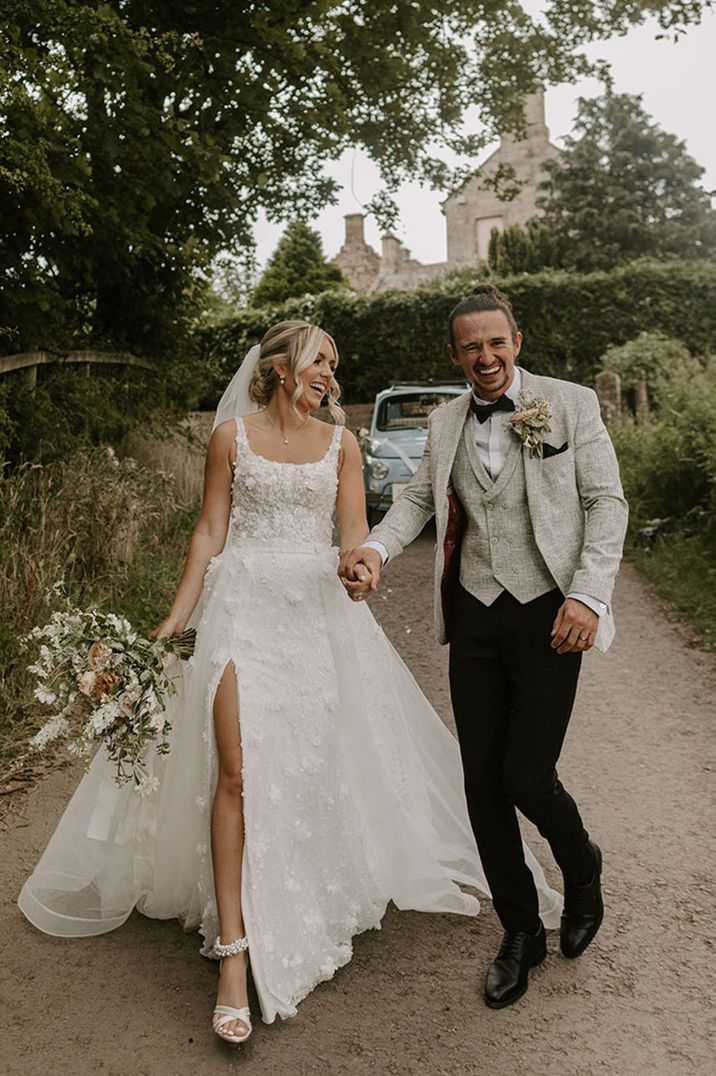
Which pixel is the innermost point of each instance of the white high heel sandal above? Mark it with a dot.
(224, 1014)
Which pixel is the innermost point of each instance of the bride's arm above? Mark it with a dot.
(210, 531)
(350, 504)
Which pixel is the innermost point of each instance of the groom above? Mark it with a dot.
(530, 526)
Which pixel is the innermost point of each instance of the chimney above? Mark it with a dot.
(392, 254)
(355, 228)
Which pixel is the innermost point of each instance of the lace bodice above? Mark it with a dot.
(283, 502)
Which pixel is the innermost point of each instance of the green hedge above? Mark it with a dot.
(568, 321)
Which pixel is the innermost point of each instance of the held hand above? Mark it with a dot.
(575, 628)
(359, 571)
(168, 627)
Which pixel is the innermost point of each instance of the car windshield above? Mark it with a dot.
(409, 411)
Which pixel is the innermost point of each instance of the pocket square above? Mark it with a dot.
(550, 450)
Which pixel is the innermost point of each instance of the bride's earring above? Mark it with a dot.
(282, 380)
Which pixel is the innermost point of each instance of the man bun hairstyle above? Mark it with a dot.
(483, 297)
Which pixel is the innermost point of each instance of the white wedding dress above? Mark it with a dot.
(352, 784)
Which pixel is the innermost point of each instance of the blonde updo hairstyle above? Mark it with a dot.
(296, 344)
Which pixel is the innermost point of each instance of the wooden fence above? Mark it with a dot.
(28, 361)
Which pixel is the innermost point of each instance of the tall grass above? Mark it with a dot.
(668, 469)
(112, 529)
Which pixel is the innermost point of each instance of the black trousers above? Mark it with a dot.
(512, 697)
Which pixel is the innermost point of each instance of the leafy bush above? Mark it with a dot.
(657, 360)
(568, 321)
(72, 405)
(669, 465)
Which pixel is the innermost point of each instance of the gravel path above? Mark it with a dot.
(638, 759)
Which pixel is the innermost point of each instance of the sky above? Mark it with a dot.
(678, 84)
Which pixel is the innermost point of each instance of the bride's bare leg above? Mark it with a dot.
(227, 844)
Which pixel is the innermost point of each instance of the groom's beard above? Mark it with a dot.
(494, 386)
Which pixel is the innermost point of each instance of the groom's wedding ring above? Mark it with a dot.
(582, 637)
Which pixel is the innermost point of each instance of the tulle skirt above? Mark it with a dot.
(353, 787)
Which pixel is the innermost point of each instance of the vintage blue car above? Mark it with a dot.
(393, 446)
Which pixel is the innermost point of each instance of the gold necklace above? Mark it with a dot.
(280, 432)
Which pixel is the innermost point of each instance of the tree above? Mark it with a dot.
(520, 249)
(297, 267)
(625, 189)
(140, 138)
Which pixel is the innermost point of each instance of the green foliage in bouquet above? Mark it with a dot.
(106, 685)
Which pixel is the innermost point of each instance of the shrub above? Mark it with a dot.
(669, 465)
(75, 405)
(568, 320)
(657, 360)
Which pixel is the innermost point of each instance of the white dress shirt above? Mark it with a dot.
(493, 441)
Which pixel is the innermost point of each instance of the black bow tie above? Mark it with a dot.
(483, 411)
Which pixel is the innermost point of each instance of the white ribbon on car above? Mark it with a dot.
(410, 464)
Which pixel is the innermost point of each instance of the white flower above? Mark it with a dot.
(157, 721)
(103, 717)
(147, 785)
(54, 728)
(43, 694)
(85, 682)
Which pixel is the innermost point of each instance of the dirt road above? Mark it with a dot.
(639, 759)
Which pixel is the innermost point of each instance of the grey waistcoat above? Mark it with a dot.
(499, 551)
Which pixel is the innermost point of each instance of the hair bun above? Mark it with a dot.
(493, 292)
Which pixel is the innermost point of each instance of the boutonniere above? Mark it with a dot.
(531, 422)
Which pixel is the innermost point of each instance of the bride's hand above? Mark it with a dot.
(167, 628)
(359, 572)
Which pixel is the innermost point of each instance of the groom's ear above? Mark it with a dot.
(451, 354)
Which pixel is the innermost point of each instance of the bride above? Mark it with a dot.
(309, 781)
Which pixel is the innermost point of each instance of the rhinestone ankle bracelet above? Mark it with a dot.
(231, 948)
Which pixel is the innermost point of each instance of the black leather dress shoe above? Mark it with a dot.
(507, 974)
(583, 910)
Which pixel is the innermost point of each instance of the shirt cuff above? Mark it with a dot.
(592, 603)
(379, 548)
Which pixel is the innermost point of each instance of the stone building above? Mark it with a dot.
(471, 212)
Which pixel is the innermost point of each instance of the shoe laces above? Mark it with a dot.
(513, 945)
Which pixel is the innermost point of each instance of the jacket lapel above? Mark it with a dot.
(453, 425)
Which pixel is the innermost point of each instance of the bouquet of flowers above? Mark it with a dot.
(106, 684)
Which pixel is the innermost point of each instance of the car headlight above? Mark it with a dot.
(379, 470)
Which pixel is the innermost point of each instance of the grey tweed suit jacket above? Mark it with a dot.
(576, 504)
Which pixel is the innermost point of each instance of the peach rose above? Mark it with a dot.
(104, 682)
(98, 655)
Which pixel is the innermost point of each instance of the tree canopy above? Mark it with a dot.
(297, 267)
(623, 189)
(140, 138)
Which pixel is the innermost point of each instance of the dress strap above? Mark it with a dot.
(332, 454)
(336, 441)
(241, 436)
